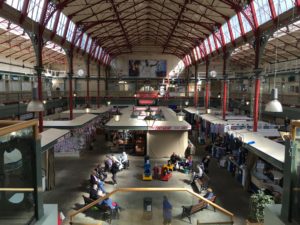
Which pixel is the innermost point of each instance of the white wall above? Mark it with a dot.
(164, 143)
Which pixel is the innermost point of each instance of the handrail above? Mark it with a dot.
(17, 189)
(143, 189)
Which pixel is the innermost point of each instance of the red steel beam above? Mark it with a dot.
(24, 11)
(272, 9)
(54, 29)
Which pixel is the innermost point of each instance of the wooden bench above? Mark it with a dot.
(187, 211)
(108, 213)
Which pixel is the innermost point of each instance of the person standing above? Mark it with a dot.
(167, 211)
(114, 170)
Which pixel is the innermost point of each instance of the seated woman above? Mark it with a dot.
(174, 158)
(96, 193)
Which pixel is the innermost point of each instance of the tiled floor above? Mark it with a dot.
(72, 176)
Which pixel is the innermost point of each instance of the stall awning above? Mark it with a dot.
(265, 148)
(51, 136)
(69, 124)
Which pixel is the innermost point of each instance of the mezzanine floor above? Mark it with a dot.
(72, 176)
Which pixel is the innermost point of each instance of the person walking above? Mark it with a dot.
(167, 211)
(114, 170)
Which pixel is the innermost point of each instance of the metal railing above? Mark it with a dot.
(143, 189)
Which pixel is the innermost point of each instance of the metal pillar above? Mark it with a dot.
(38, 43)
(70, 74)
(98, 84)
(87, 82)
(106, 80)
(187, 82)
(259, 45)
(207, 86)
(225, 84)
(196, 87)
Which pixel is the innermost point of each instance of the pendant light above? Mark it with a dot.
(274, 105)
(35, 105)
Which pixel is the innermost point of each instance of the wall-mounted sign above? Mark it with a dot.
(147, 68)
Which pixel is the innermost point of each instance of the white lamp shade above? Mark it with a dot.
(208, 111)
(35, 106)
(87, 110)
(117, 117)
(186, 102)
(108, 103)
(274, 105)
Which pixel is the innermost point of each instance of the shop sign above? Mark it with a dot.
(27, 116)
(170, 128)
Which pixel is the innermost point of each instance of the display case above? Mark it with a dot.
(20, 172)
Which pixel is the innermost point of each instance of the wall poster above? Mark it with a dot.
(147, 68)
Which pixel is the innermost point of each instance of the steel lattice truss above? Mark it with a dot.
(15, 44)
(174, 25)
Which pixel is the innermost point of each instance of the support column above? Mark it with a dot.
(259, 46)
(196, 86)
(98, 85)
(225, 84)
(207, 86)
(70, 75)
(38, 43)
(187, 83)
(87, 82)
(106, 80)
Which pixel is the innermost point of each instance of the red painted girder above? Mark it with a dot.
(223, 45)
(241, 24)
(272, 9)
(209, 45)
(24, 11)
(253, 12)
(216, 44)
(88, 7)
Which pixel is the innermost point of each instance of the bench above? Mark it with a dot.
(187, 211)
(202, 183)
(108, 213)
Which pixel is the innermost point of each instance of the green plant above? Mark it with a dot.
(258, 202)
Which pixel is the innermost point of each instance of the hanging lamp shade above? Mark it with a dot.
(274, 105)
(35, 105)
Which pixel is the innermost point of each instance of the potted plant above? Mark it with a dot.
(258, 202)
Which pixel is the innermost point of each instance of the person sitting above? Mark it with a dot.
(117, 161)
(187, 164)
(188, 151)
(209, 194)
(95, 180)
(174, 158)
(199, 173)
(95, 194)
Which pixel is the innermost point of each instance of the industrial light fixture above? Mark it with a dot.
(180, 116)
(87, 109)
(117, 115)
(274, 105)
(108, 103)
(247, 102)
(74, 94)
(208, 111)
(213, 73)
(44, 102)
(219, 95)
(186, 102)
(35, 105)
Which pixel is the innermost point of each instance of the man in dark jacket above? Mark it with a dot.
(114, 170)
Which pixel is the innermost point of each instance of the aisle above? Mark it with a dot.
(230, 194)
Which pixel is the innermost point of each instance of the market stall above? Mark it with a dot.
(175, 132)
(81, 137)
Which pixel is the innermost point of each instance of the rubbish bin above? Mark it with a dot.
(147, 208)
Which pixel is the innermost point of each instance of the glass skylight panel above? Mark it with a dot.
(263, 11)
(61, 25)
(51, 21)
(88, 44)
(207, 47)
(246, 24)
(283, 5)
(195, 54)
(70, 31)
(84, 37)
(212, 42)
(17, 4)
(236, 30)
(198, 52)
(35, 9)
(226, 33)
